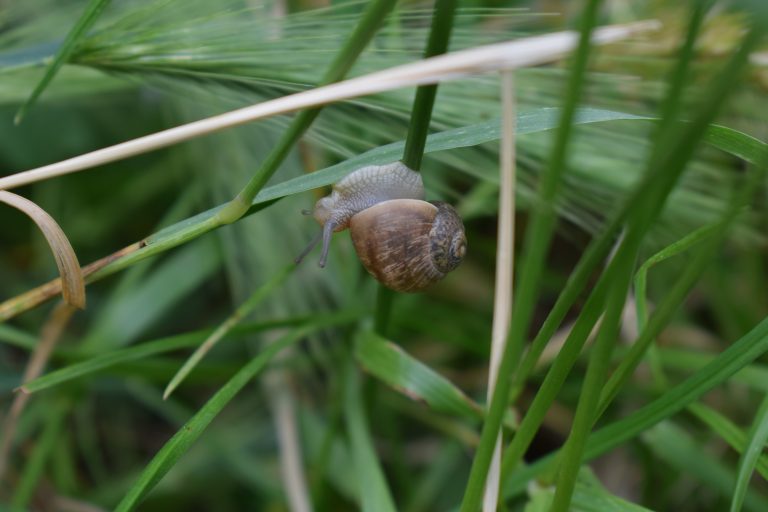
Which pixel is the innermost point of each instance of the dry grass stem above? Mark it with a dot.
(49, 337)
(521, 53)
(44, 292)
(502, 304)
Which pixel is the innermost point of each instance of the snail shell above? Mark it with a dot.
(409, 244)
(403, 241)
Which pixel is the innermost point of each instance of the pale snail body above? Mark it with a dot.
(406, 243)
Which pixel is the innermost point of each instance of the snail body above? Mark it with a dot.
(405, 242)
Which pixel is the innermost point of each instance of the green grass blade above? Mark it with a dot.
(758, 436)
(165, 286)
(44, 446)
(17, 337)
(87, 19)
(728, 431)
(103, 361)
(390, 363)
(672, 444)
(370, 22)
(754, 376)
(225, 327)
(421, 112)
(124, 356)
(716, 371)
(665, 166)
(535, 245)
(172, 451)
(374, 492)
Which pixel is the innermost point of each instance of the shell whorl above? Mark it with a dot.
(448, 242)
(408, 244)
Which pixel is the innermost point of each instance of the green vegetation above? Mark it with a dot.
(208, 372)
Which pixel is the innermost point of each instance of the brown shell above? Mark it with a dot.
(408, 244)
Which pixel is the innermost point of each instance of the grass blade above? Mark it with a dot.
(511, 55)
(172, 451)
(104, 361)
(728, 431)
(390, 363)
(672, 444)
(144, 350)
(44, 446)
(715, 372)
(535, 245)
(224, 328)
(89, 16)
(373, 489)
(370, 22)
(73, 286)
(758, 436)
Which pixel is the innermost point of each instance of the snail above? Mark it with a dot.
(405, 242)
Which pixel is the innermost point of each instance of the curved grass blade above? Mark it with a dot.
(374, 493)
(225, 327)
(89, 16)
(73, 286)
(172, 451)
(758, 436)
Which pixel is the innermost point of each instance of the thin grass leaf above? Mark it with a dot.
(752, 455)
(72, 284)
(17, 337)
(754, 376)
(370, 22)
(165, 286)
(104, 361)
(677, 447)
(728, 431)
(390, 363)
(638, 222)
(535, 245)
(230, 323)
(86, 20)
(173, 450)
(590, 496)
(50, 334)
(711, 237)
(97, 363)
(373, 492)
(718, 370)
(641, 276)
(665, 166)
(41, 452)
